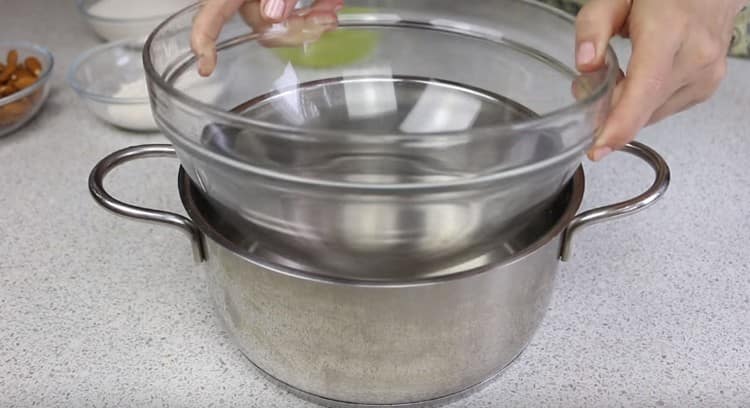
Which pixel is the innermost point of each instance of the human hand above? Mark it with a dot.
(678, 60)
(300, 24)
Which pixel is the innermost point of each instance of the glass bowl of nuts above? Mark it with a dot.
(24, 83)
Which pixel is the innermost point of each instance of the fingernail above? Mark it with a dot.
(274, 9)
(600, 152)
(586, 53)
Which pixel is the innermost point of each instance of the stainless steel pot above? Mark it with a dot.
(351, 342)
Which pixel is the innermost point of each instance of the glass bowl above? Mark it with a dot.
(114, 20)
(110, 79)
(19, 107)
(413, 131)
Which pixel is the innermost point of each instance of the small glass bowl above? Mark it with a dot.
(18, 108)
(111, 80)
(120, 28)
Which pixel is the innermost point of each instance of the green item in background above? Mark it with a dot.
(339, 47)
(741, 40)
(740, 43)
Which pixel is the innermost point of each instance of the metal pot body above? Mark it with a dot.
(357, 342)
(381, 344)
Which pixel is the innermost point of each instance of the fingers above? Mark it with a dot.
(305, 25)
(206, 28)
(585, 83)
(697, 91)
(252, 14)
(678, 60)
(596, 23)
(699, 67)
(683, 99)
(260, 15)
(648, 84)
(300, 29)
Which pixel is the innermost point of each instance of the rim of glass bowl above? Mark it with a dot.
(305, 134)
(83, 91)
(84, 10)
(43, 77)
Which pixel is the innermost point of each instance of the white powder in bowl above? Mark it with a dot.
(120, 19)
(134, 116)
(139, 117)
(126, 9)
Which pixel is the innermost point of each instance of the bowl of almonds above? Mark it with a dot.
(24, 83)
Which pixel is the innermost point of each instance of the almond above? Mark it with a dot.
(14, 77)
(33, 65)
(24, 81)
(6, 90)
(21, 70)
(7, 72)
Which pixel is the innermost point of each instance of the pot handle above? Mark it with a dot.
(107, 164)
(627, 207)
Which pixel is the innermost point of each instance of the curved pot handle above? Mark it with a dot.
(107, 164)
(635, 204)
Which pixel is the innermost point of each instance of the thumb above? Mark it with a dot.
(596, 23)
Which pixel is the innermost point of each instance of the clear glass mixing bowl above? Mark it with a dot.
(413, 131)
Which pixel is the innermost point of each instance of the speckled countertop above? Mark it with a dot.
(653, 310)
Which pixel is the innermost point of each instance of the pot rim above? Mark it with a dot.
(188, 190)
